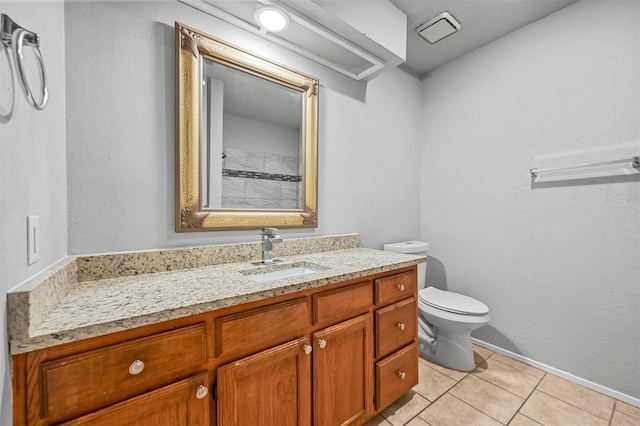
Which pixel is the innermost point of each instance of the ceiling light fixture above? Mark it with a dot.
(272, 19)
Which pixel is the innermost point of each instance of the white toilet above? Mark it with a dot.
(445, 319)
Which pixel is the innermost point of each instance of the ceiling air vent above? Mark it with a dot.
(438, 28)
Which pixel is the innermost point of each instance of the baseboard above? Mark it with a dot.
(568, 376)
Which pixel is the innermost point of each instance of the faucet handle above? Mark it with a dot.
(269, 232)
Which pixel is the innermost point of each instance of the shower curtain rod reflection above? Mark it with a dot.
(635, 163)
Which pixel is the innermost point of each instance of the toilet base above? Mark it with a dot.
(452, 350)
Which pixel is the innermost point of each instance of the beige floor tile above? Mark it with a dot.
(405, 408)
(578, 396)
(431, 383)
(480, 353)
(377, 421)
(450, 411)
(628, 409)
(520, 420)
(519, 365)
(488, 398)
(417, 421)
(551, 411)
(621, 419)
(454, 374)
(507, 377)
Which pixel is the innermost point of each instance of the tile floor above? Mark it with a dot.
(502, 391)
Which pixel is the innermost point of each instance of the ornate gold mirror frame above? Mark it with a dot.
(191, 48)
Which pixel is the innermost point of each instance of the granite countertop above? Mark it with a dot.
(67, 310)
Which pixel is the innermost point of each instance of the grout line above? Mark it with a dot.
(495, 384)
(535, 421)
(480, 411)
(519, 369)
(506, 390)
(615, 403)
(574, 406)
(529, 396)
(560, 373)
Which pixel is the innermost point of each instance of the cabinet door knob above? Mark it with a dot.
(322, 343)
(400, 325)
(201, 391)
(400, 287)
(401, 374)
(136, 367)
(307, 349)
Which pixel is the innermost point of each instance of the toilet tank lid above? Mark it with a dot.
(407, 247)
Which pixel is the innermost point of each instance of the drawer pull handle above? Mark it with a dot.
(307, 349)
(400, 325)
(201, 391)
(401, 374)
(136, 367)
(400, 287)
(322, 343)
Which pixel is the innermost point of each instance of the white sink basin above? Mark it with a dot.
(278, 272)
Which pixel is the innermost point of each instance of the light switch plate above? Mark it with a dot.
(33, 239)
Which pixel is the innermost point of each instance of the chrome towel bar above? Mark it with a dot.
(15, 38)
(635, 162)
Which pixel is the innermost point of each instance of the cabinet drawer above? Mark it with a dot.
(395, 287)
(337, 305)
(178, 404)
(81, 383)
(396, 375)
(251, 331)
(396, 326)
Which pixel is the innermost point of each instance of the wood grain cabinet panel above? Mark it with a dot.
(180, 404)
(396, 375)
(396, 326)
(247, 332)
(342, 373)
(270, 388)
(80, 383)
(395, 287)
(330, 307)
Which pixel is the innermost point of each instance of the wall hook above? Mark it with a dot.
(15, 37)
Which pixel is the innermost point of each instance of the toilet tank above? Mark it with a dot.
(418, 248)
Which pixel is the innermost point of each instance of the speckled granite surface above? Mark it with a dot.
(63, 304)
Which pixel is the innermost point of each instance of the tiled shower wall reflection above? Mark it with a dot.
(252, 179)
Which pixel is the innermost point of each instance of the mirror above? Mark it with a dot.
(246, 139)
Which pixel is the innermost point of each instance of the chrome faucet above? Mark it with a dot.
(268, 238)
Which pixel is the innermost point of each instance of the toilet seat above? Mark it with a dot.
(452, 302)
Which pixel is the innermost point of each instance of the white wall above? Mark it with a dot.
(32, 169)
(557, 263)
(260, 136)
(120, 103)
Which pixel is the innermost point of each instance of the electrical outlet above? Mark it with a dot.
(33, 239)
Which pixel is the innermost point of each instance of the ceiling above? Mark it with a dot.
(482, 22)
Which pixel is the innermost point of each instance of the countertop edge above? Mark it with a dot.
(33, 341)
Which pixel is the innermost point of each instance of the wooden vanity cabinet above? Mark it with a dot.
(328, 373)
(396, 347)
(332, 355)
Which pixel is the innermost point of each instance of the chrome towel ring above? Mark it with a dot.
(15, 38)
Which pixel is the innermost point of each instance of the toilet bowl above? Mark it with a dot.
(445, 319)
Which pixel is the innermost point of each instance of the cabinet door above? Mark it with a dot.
(270, 388)
(184, 403)
(342, 372)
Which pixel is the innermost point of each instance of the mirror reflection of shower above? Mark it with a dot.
(251, 141)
